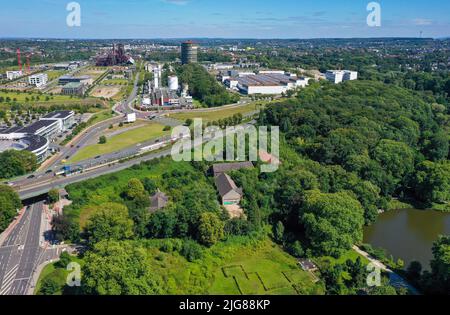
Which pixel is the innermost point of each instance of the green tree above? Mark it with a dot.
(109, 221)
(119, 268)
(396, 157)
(332, 222)
(53, 195)
(102, 140)
(210, 229)
(9, 205)
(432, 182)
(16, 163)
(279, 232)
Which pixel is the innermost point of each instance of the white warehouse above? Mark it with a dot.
(269, 83)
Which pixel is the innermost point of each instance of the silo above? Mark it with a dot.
(173, 83)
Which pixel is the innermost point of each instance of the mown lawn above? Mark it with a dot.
(58, 274)
(121, 141)
(217, 114)
(266, 269)
(22, 96)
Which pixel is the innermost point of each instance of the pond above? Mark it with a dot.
(408, 234)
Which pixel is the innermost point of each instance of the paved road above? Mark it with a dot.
(20, 253)
(41, 186)
(395, 279)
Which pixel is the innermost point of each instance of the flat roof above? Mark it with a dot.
(72, 85)
(59, 114)
(266, 79)
(38, 125)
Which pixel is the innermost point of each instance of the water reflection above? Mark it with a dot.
(408, 234)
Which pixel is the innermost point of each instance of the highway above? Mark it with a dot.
(41, 185)
(21, 253)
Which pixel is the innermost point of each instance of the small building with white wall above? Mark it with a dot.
(12, 75)
(338, 76)
(38, 80)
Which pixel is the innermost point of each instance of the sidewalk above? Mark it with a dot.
(8, 230)
(393, 277)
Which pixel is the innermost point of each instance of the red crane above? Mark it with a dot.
(28, 63)
(18, 59)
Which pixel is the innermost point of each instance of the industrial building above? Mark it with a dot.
(173, 83)
(12, 75)
(74, 88)
(37, 136)
(267, 83)
(38, 80)
(189, 52)
(116, 56)
(87, 80)
(338, 76)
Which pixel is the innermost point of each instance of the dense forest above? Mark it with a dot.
(347, 151)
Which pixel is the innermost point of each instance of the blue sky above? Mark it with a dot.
(224, 18)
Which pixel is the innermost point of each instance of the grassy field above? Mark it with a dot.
(121, 141)
(54, 74)
(217, 114)
(99, 190)
(58, 274)
(23, 96)
(264, 270)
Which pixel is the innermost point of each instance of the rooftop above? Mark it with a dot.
(60, 114)
(226, 167)
(38, 125)
(73, 85)
(158, 201)
(225, 184)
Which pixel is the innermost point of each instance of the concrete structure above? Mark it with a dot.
(74, 88)
(173, 83)
(269, 84)
(38, 80)
(229, 192)
(65, 118)
(131, 118)
(87, 80)
(15, 139)
(12, 75)
(338, 76)
(189, 52)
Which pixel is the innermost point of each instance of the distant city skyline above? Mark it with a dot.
(104, 19)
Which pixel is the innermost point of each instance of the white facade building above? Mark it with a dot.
(11, 75)
(338, 76)
(38, 80)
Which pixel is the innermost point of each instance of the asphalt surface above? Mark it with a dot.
(20, 253)
(40, 186)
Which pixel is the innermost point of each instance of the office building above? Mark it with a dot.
(189, 52)
(38, 80)
(65, 118)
